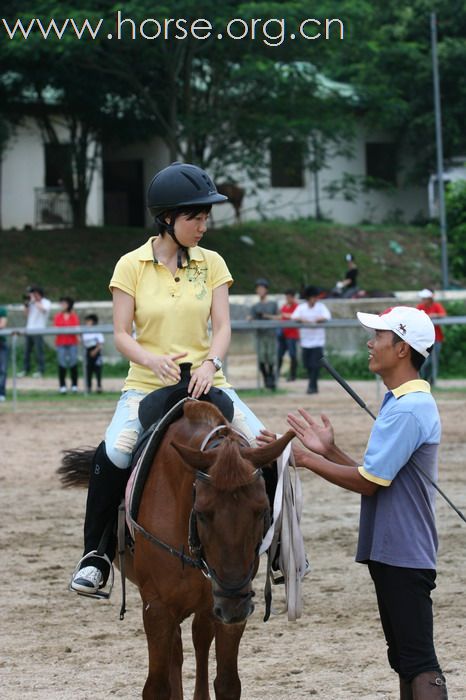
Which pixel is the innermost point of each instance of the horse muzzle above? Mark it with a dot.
(232, 609)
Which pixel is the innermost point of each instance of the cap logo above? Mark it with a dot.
(402, 328)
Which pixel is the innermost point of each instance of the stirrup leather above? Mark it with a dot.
(103, 593)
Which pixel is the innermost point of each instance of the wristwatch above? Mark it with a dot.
(218, 364)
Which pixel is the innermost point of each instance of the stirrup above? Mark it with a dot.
(103, 593)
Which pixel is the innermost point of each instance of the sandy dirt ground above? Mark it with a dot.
(58, 646)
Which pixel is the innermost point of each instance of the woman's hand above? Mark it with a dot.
(317, 438)
(202, 379)
(165, 367)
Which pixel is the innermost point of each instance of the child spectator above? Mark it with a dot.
(67, 345)
(288, 337)
(93, 343)
(265, 310)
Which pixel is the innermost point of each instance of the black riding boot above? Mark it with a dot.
(106, 488)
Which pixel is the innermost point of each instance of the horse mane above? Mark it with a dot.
(203, 412)
(230, 470)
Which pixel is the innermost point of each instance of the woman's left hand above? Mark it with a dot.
(201, 380)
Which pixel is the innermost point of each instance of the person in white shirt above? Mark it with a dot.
(37, 310)
(312, 340)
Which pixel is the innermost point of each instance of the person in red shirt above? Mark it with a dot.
(67, 345)
(288, 337)
(429, 370)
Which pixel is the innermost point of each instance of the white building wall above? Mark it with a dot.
(23, 169)
(266, 202)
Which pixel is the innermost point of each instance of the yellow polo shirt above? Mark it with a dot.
(171, 312)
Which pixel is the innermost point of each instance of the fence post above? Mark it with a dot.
(14, 348)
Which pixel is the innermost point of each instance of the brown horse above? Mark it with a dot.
(235, 195)
(226, 513)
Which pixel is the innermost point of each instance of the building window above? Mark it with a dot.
(286, 164)
(57, 163)
(381, 162)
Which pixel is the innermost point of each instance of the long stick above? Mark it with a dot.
(324, 362)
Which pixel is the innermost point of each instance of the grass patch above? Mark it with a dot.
(289, 253)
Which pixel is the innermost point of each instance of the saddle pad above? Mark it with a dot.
(139, 474)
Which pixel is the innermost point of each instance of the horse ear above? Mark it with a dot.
(196, 459)
(260, 456)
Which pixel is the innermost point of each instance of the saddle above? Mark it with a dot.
(157, 411)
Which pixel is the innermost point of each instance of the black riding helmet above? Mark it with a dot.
(181, 185)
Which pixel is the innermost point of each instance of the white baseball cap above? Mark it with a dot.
(425, 294)
(412, 325)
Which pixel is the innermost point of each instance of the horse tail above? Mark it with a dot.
(75, 467)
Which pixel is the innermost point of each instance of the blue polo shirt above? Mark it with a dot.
(397, 523)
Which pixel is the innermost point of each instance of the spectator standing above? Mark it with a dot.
(67, 345)
(312, 340)
(37, 310)
(429, 370)
(265, 310)
(93, 343)
(3, 354)
(288, 337)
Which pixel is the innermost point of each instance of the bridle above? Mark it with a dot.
(197, 559)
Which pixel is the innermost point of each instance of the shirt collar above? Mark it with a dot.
(410, 387)
(146, 254)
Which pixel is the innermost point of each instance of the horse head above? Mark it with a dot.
(230, 514)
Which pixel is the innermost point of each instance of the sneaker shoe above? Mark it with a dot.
(20, 375)
(2, 398)
(37, 375)
(87, 580)
(62, 390)
(74, 389)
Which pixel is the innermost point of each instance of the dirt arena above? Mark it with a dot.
(58, 646)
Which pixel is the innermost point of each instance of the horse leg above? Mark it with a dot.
(203, 631)
(227, 683)
(163, 641)
(176, 682)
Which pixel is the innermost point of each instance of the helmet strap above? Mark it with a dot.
(170, 229)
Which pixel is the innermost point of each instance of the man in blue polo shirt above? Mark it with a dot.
(397, 536)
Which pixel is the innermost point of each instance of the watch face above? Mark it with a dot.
(217, 363)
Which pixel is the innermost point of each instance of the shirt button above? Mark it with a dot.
(177, 279)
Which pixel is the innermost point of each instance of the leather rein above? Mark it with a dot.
(197, 559)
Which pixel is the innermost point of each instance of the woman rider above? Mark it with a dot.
(167, 290)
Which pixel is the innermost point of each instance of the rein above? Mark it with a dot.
(197, 560)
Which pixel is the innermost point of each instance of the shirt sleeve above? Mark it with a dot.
(219, 272)
(325, 312)
(296, 315)
(392, 442)
(124, 276)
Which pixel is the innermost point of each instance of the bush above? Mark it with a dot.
(456, 217)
